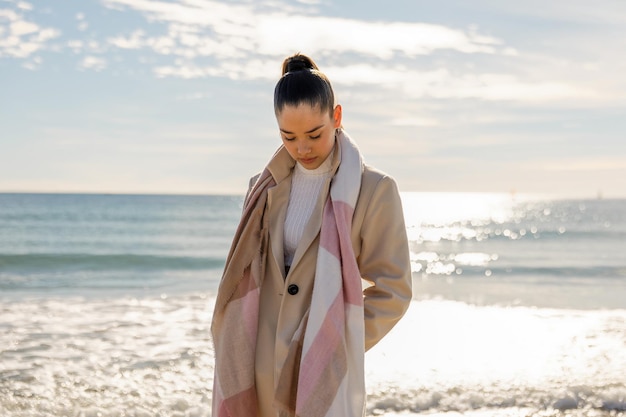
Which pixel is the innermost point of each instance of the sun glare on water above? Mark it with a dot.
(442, 209)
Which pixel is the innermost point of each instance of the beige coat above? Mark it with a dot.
(380, 245)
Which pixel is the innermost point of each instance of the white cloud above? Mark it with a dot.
(22, 38)
(375, 39)
(33, 64)
(24, 6)
(135, 40)
(9, 15)
(508, 87)
(75, 45)
(235, 30)
(21, 27)
(246, 43)
(443, 84)
(45, 34)
(93, 62)
(183, 71)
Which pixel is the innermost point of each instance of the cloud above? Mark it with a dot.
(20, 38)
(93, 62)
(33, 64)
(443, 84)
(21, 27)
(381, 40)
(192, 39)
(236, 30)
(24, 5)
(76, 46)
(82, 23)
(135, 40)
(310, 2)
(240, 41)
(252, 69)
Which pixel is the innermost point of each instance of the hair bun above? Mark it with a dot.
(298, 62)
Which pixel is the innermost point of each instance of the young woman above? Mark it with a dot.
(292, 320)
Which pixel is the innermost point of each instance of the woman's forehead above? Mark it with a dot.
(302, 118)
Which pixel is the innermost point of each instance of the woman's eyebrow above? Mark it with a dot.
(308, 131)
(313, 130)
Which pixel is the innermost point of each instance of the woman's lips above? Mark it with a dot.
(307, 161)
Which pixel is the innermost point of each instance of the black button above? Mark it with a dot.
(293, 289)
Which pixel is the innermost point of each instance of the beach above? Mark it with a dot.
(519, 307)
(153, 356)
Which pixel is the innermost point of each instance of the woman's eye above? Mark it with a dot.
(316, 137)
(289, 139)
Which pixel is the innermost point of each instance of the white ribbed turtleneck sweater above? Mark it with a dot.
(306, 185)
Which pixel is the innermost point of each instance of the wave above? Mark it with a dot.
(617, 272)
(528, 272)
(71, 262)
(604, 400)
(458, 233)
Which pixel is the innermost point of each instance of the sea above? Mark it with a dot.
(519, 306)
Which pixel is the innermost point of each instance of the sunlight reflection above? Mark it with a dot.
(474, 259)
(445, 230)
(460, 357)
(441, 209)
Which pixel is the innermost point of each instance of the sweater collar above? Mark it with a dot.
(325, 168)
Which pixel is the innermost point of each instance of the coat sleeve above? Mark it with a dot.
(384, 262)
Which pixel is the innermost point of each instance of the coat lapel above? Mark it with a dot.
(278, 198)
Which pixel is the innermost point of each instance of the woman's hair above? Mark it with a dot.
(302, 82)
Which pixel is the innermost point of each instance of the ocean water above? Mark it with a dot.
(519, 306)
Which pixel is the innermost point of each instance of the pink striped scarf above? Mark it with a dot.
(323, 374)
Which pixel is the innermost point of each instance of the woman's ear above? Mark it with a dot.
(337, 116)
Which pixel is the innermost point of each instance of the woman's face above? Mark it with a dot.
(308, 133)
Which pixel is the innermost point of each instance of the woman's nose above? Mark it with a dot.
(303, 149)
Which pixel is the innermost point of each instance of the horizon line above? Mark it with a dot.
(514, 194)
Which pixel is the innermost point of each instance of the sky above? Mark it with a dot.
(175, 96)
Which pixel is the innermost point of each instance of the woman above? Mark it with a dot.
(292, 320)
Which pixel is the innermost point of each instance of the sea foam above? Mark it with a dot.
(153, 356)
